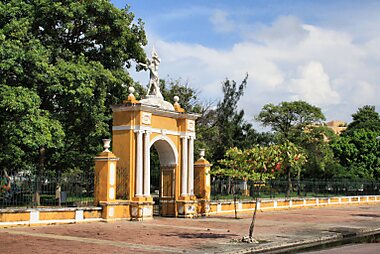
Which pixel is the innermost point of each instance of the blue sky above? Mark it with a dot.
(324, 52)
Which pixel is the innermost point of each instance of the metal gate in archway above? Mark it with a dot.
(162, 175)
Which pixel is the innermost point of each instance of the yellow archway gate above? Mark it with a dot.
(124, 191)
(152, 121)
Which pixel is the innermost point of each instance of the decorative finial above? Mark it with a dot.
(131, 90)
(106, 145)
(176, 105)
(131, 97)
(202, 153)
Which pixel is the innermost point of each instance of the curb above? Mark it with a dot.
(305, 244)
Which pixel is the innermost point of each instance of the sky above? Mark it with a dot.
(324, 52)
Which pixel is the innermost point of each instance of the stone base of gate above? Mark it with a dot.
(187, 207)
(115, 210)
(203, 207)
(142, 209)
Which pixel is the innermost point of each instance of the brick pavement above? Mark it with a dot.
(201, 235)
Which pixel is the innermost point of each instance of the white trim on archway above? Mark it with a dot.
(164, 150)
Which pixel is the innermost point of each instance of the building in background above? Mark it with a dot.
(337, 126)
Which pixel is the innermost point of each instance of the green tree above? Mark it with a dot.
(258, 164)
(365, 118)
(321, 162)
(188, 96)
(290, 119)
(264, 162)
(300, 123)
(261, 163)
(73, 55)
(225, 126)
(357, 148)
(233, 166)
(233, 129)
(292, 157)
(359, 153)
(25, 130)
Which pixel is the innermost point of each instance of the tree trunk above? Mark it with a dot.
(235, 198)
(289, 184)
(252, 226)
(41, 165)
(299, 183)
(235, 206)
(229, 186)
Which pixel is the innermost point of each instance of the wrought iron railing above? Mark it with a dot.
(46, 190)
(225, 188)
(122, 183)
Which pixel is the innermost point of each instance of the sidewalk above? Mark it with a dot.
(275, 230)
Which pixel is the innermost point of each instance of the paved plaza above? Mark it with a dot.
(275, 229)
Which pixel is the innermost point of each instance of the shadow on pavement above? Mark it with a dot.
(367, 215)
(199, 235)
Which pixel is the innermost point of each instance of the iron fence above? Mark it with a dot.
(122, 183)
(47, 190)
(227, 188)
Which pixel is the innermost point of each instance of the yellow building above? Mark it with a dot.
(337, 126)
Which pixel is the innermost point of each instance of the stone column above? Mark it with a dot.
(139, 163)
(147, 164)
(191, 167)
(184, 167)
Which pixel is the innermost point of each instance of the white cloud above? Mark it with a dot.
(285, 61)
(365, 93)
(313, 85)
(221, 22)
(284, 30)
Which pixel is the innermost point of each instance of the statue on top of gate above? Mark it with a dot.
(154, 96)
(154, 82)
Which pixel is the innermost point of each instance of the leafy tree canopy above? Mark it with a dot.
(24, 129)
(188, 96)
(289, 119)
(365, 118)
(72, 55)
(226, 126)
(357, 148)
(321, 162)
(359, 152)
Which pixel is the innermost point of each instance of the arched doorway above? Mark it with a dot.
(163, 176)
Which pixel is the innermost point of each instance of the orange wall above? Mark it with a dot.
(10, 217)
(69, 215)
